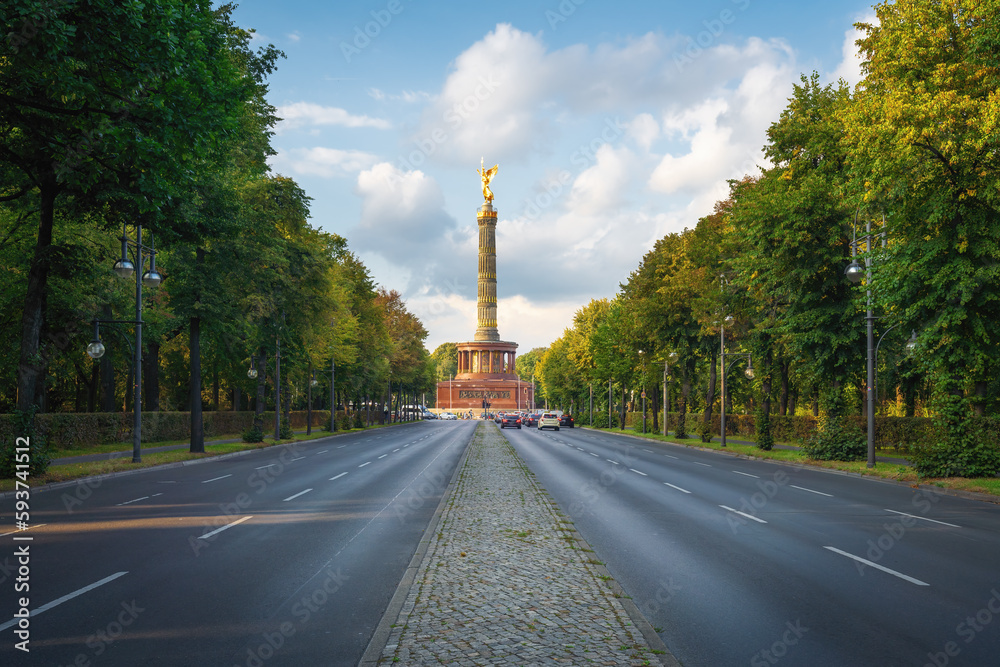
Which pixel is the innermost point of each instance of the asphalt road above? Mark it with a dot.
(286, 556)
(739, 562)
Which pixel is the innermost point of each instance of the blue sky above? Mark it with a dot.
(614, 123)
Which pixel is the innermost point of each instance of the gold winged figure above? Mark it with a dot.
(487, 175)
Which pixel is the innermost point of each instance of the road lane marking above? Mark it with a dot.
(593, 454)
(677, 487)
(639, 472)
(395, 450)
(383, 456)
(879, 567)
(300, 493)
(613, 461)
(65, 598)
(36, 525)
(226, 527)
(129, 502)
(338, 476)
(671, 457)
(341, 446)
(299, 458)
(323, 452)
(818, 493)
(581, 449)
(701, 464)
(267, 466)
(216, 479)
(364, 464)
(749, 516)
(746, 474)
(924, 518)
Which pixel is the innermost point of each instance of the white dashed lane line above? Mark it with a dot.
(701, 464)
(818, 493)
(638, 472)
(746, 474)
(924, 518)
(676, 487)
(216, 479)
(383, 456)
(743, 514)
(300, 493)
(338, 476)
(364, 464)
(878, 567)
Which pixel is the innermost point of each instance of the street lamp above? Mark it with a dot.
(722, 354)
(641, 358)
(124, 267)
(855, 273)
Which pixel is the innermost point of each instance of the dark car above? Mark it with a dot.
(532, 419)
(510, 420)
(566, 420)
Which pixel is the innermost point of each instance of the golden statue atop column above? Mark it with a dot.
(486, 175)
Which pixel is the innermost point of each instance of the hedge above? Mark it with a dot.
(64, 430)
(900, 433)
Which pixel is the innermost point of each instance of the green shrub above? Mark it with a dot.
(253, 434)
(837, 439)
(977, 456)
(704, 430)
(762, 424)
(38, 450)
(285, 431)
(359, 420)
(600, 420)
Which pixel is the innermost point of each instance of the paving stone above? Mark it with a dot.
(504, 582)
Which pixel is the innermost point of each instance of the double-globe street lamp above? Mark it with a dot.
(855, 273)
(748, 372)
(125, 268)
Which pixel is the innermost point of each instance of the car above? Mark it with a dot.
(566, 420)
(548, 420)
(429, 415)
(532, 419)
(447, 416)
(510, 420)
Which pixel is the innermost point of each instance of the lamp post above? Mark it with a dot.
(124, 267)
(666, 401)
(643, 394)
(855, 273)
(722, 365)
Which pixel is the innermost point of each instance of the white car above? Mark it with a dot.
(447, 415)
(548, 420)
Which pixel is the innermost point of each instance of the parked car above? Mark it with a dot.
(566, 420)
(548, 420)
(447, 415)
(510, 420)
(532, 419)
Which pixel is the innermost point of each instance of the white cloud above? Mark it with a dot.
(849, 68)
(325, 162)
(307, 113)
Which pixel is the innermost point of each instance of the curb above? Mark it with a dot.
(933, 488)
(373, 652)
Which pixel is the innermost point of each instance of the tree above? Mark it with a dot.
(108, 101)
(923, 135)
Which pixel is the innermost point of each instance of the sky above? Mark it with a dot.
(613, 124)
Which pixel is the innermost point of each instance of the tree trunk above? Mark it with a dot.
(815, 401)
(765, 384)
(237, 399)
(624, 409)
(31, 369)
(656, 407)
(710, 394)
(258, 408)
(151, 377)
(215, 389)
(783, 400)
(197, 426)
(979, 405)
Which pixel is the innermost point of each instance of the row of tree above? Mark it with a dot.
(120, 115)
(912, 154)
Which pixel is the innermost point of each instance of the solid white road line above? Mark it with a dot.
(818, 493)
(878, 567)
(744, 514)
(364, 464)
(638, 472)
(676, 487)
(746, 474)
(65, 598)
(300, 493)
(216, 479)
(924, 518)
(226, 527)
(338, 476)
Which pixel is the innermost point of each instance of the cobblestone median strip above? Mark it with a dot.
(506, 580)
